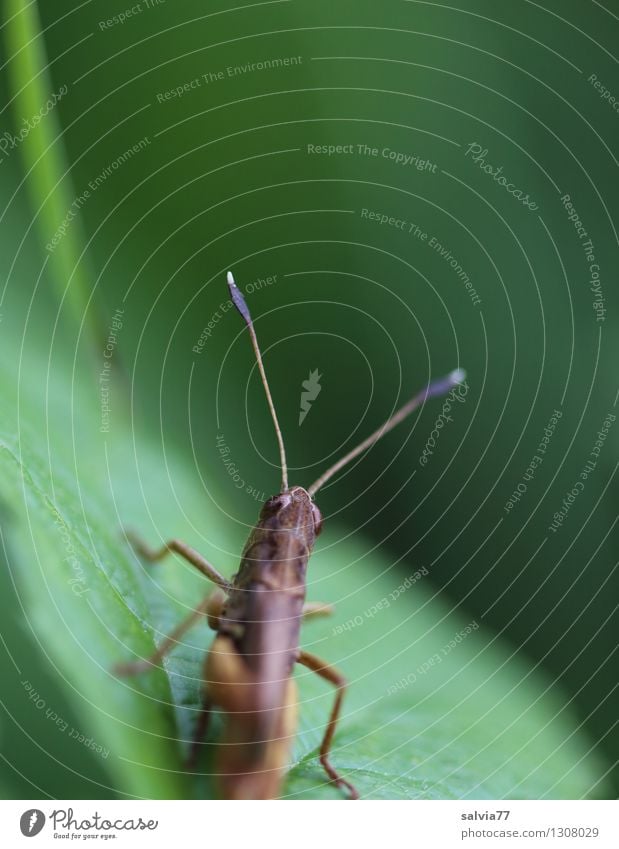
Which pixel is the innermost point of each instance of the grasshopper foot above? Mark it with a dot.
(337, 779)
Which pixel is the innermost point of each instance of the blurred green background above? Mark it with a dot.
(225, 176)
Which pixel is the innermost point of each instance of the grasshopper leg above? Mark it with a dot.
(137, 666)
(178, 547)
(331, 674)
(211, 606)
(199, 734)
(317, 608)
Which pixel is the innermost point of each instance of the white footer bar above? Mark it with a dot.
(294, 824)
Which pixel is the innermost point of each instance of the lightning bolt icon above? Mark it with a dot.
(312, 389)
(33, 819)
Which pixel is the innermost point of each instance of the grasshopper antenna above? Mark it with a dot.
(239, 302)
(437, 387)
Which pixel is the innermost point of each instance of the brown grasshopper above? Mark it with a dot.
(257, 616)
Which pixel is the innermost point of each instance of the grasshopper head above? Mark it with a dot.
(293, 509)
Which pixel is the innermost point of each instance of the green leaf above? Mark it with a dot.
(420, 720)
(44, 161)
(437, 707)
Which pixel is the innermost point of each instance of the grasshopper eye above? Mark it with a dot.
(317, 517)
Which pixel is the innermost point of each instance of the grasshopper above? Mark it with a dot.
(257, 618)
